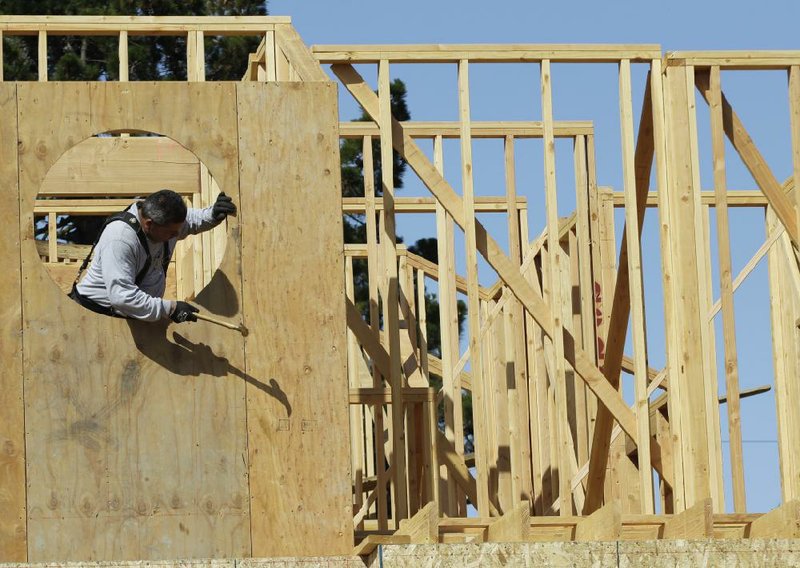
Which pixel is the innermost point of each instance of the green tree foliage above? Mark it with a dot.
(150, 58)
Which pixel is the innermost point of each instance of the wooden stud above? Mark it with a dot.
(633, 233)
(794, 122)
(356, 412)
(583, 265)
(726, 293)
(422, 322)
(473, 309)
(42, 55)
(52, 236)
(448, 328)
(688, 411)
(555, 266)
(270, 57)
(707, 332)
(391, 300)
(124, 65)
(785, 342)
(521, 450)
(661, 114)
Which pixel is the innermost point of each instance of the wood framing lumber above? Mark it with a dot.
(726, 292)
(391, 302)
(480, 418)
(554, 264)
(459, 471)
(695, 522)
(513, 526)
(781, 522)
(13, 492)
(748, 268)
(620, 311)
(297, 53)
(284, 478)
(373, 541)
(635, 285)
(488, 247)
(480, 129)
(794, 125)
(483, 204)
(423, 527)
(123, 56)
(761, 59)
(139, 25)
(604, 524)
(477, 53)
(435, 367)
(367, 338)
(753, 160)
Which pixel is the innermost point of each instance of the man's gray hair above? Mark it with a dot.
(164, 207)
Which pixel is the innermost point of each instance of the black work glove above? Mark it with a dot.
(223, 207)
(184, 311)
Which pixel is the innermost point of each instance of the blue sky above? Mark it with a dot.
(511, 92)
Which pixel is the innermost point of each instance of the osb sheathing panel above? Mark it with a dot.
(293, 294)
(135, 431)
(13, 545)
(653, 554)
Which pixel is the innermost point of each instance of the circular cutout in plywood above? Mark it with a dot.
(106, 174)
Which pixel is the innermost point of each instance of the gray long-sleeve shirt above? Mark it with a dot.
(118, 258)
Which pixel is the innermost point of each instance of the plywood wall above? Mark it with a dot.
(136, 434)
(293, 294)
(13, 542)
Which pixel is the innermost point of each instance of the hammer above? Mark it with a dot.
(240, 328)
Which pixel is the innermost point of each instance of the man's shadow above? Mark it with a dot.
(183, 357)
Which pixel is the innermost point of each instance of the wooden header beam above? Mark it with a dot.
(428, 204)
(501, 129)
(487, 53)
(742, 60)
(140, 25)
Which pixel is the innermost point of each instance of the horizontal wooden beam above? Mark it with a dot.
(486, 53)
(452, 129)
(736, 198)
(731, 60)
(140, 25)
(428, 204)
(374, 396)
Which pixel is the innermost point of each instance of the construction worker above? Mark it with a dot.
(127, 275)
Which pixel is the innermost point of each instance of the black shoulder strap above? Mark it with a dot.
(131, 220)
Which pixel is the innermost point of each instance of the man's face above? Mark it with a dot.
(160, 233)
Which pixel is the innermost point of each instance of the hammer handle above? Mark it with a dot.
(204, 317)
